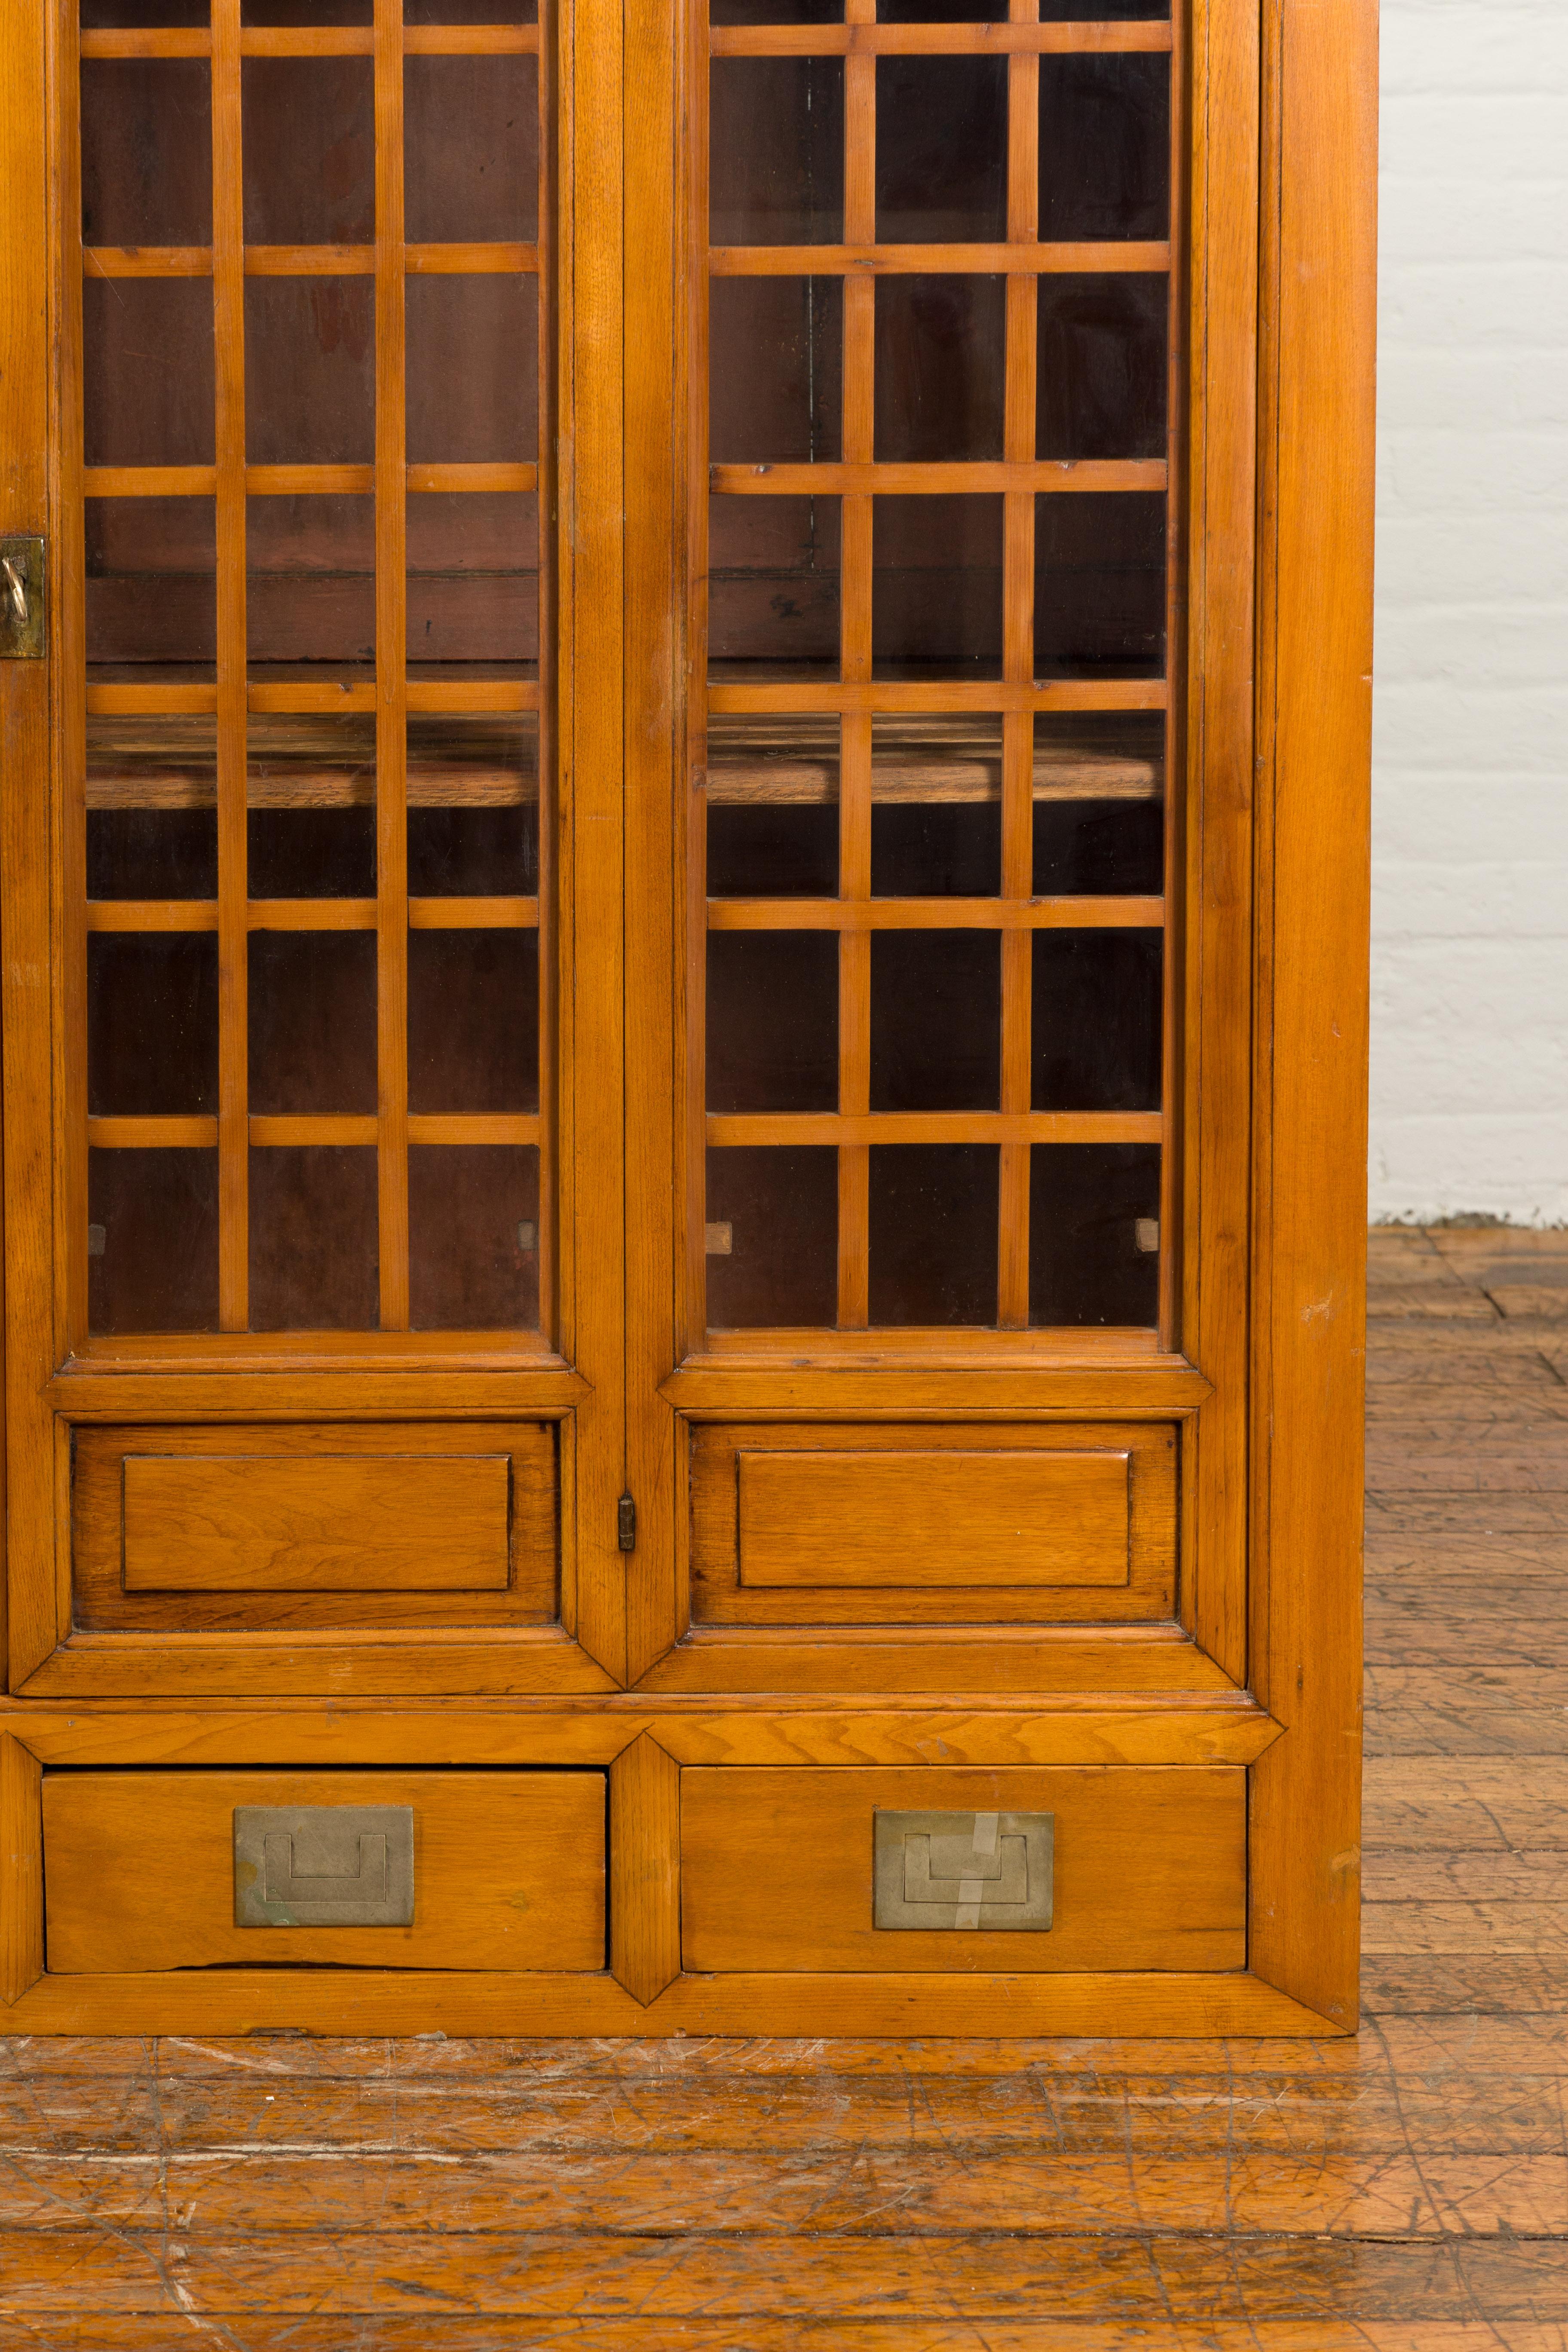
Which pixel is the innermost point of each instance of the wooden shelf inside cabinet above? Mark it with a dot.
(306, 762)
(795, 760)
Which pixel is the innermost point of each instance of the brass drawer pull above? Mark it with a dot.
(963, 1870)
(324, 1866)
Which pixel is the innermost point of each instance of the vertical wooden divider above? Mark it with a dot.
(21, 1869)
(391, 677)
(1018, 670)
(233, 758)
(644, 1869)
(854, 586)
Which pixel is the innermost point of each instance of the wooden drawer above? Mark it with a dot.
(1145, 1868)
(864, 1524)
(500, 1870)
(257, 1526)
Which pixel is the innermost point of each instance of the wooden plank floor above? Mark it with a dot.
(1406, 2192)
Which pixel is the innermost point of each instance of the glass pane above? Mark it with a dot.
(773, 1021)
(473, 370)
(473, 807)
(151, 1024)
(147, 370)
(473, 578)
(473, 1021)
(152, 582)
(473, 1237)
(1105, 147)
(936, 594)
(312, 1023)
(942, 150)
(777, 12)
(470, 12)
(1101, 382)
(1097, 1019)
(1099, 585)
(772, 1238)
(471, 134)
(151, 1241)
(309, 371)
(308, 151)
(941, 368)
(775, 361)
(772, 584)
(775, 171)
(135, 14)
(933, 1233)
(1094, 1233)
(309, 587)
(303, 12)
(146, 150)
(773, 808)
(936, 1021)
(313, 1239)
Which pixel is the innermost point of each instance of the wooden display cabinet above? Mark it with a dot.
(684, 897)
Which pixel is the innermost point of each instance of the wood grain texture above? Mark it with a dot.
(1400, 2191)
(21, 1869)
(1150, 1871)
(509, 1871)
(908, 1517)
(252, 1526)
(644, 1868)
(238, 1522)
(1314, 757)
(842, 1531)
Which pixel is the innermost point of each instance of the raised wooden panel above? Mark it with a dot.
(1149, 1868)
(259, 1527)
(509, 1871)
(238, 1523)
(933, 1518)
(960, 1524)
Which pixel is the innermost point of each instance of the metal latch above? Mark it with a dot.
(627, 1524)
(323, 1865)
(22, 612)
(963, 1870)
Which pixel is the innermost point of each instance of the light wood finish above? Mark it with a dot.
(861, 37)
(249, 1526)
(1394, 2192)
(21, 1869)
(236, 1523)
(843, 1525)
(924, 758)
(1320, 87)
(644, 1868)
(1149, 1870)
(930, 1518)
(509, 1871)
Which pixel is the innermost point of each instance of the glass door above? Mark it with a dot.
(310, 867)
(934, 571)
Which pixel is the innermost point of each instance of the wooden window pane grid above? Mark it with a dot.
(238, 711)
(857, 699)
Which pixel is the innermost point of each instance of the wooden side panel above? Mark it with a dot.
(1321, 313)
(258, 1526)
(954, 1519)
(21, 1869)
(236, 1523)
(509, 1871)
(1151, 1869)
(954, 1524)
(645, 1864)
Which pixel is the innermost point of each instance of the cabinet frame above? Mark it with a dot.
(1281, 206)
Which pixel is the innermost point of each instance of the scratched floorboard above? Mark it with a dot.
(1407, 2192)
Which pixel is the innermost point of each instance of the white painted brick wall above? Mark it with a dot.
(1469, 921)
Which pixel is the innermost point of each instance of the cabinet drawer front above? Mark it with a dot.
(947, 1523)
(152, 1870)
(259, 1526)
(1113, 1866)
(240, 1522)
(933, 1518)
